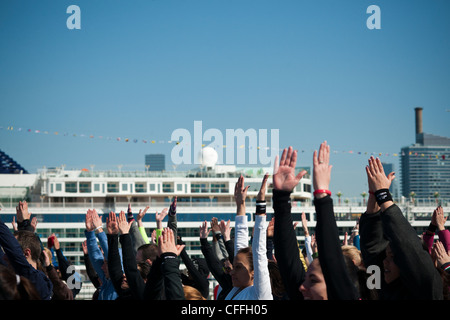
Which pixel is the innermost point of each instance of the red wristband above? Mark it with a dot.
(328, 192)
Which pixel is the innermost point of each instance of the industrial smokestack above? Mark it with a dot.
(419, 127)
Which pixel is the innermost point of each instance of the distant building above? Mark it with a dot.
(156, 162)
(425, 165)
(388, 168)
(9, 165)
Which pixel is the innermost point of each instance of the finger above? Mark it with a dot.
(301, 174)
(321, 153)
(369, 173)
(380, 166)
(283, 157)
(327, 153)
(288, 156)
(315, 160)
(372, 166)
(293, 161)
(391, 176)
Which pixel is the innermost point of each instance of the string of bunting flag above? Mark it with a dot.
(154, 141)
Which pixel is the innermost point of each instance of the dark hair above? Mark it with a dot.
(249, 254)
(29, 240)
(144, 269)
(149, 251)
(359, 278)
(15, 287)
(278, 290)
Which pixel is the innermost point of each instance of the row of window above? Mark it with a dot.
(143, 187)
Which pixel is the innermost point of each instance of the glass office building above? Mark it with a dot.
(425, 166)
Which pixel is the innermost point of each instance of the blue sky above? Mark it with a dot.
(141, 69)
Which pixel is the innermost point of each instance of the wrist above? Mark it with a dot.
(98, 229)
(382, 196)
(321, 193)
(260, 207)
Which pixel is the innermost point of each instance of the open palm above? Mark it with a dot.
(284, 177)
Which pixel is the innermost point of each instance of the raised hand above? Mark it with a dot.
(240, 192)
(96, 220)
(225, 229)
(376, 177)
(111, 224)
(159, 217)
(22, 211)
(203, 230)
(123, 224)
(438, 218)
(141, 215)
(215, 225)
(167, 243)
(284, 177)
(173, 206)
(89, 221)
(440, 253)
(262, 190)
(322, 167)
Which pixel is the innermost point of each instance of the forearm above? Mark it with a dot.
(261, 271)
(415, 264)
(331, 257)
(286, 246)
(134, 278)
(241, 233)
(143, 234)
(172, 282)
(114, 264)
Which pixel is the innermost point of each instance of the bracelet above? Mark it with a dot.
(98, 228)
(328, 192)
(382, 196)
(260, 207)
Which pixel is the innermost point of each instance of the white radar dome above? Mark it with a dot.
(208, 157)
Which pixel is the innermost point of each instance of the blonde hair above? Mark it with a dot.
(354, 254)
(190, 293)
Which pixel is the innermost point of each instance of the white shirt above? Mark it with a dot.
(261, 288)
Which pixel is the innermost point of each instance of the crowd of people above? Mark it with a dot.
(383, 258)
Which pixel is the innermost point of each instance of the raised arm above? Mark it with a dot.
(261, 280)
(285, 239)
(338, 282)
(417, 271)
(241, 227)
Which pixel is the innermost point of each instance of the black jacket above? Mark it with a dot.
(419, 279)
(286, 246)
(339, 283)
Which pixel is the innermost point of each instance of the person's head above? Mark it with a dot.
(144, 269)
(243, 273)
(191, 293)
(391, 270)
(15, 287)
(314, 286)
(354, 254)
(147, 252)
(275, 280)
(31, 246)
